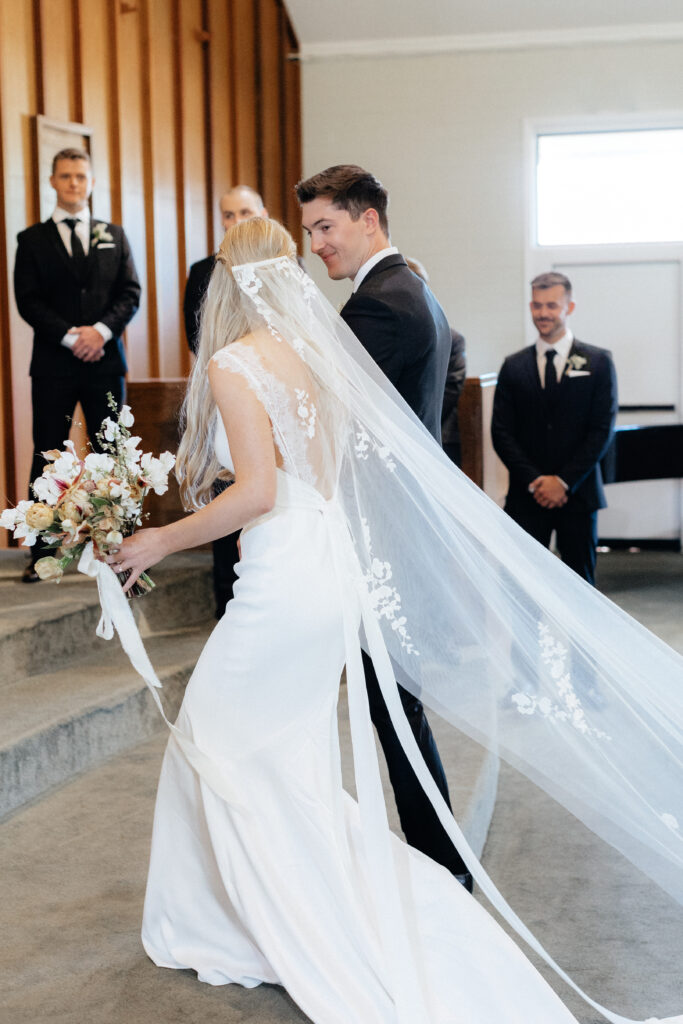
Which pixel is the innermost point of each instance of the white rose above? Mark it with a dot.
(47, 489)
(9, 518)
(66, 467)
(156, 471)
(113, 538)
(131, 449)
(97, 462)
(126, 418)
(25, 533)
(109, 429)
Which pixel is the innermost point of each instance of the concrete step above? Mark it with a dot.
(70, 699)
(59, 724)
(43, 625)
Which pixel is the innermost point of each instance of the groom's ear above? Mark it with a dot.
(370, 219)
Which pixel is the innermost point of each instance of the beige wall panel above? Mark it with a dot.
(162, 136)
(244, 85)
(270, 126)
(193, 134)
(292, 133)
(95, 46)
(17, 94)
(58, 60)
(127, 32)
(221, 111)
(171, 91)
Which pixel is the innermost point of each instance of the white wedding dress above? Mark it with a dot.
(273, 879)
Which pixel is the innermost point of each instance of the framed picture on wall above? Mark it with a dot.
(50, 137)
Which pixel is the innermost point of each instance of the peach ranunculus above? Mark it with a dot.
(81, 498)
(48, 568)
(39, 516)
(70, 511)
(106, 486)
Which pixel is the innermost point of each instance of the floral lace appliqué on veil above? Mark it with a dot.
(290, 410)
(570, 709)
(384, 598)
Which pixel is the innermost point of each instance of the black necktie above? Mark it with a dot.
(77, 250)
(550, 373)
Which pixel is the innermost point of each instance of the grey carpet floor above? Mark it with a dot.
(73, 870)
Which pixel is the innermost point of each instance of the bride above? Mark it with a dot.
(356, 529)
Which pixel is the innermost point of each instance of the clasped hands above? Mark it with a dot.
(548, 491)
(89, 344)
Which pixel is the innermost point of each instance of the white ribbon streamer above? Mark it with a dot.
(117, 615)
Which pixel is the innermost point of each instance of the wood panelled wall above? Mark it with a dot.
(184, 98)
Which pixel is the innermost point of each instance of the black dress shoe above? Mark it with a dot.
(465, 880)
(29, 575)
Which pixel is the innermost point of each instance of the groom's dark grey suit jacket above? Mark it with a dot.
(402, 326)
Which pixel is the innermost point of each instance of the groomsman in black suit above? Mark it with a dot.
(553, 419)
(75, 284)
(239, 203)
(404, 329)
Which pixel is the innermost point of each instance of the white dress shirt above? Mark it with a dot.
(390, 250)
(83, 232)
(560, 348)
(82, 227)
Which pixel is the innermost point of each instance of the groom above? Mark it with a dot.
(397, 319)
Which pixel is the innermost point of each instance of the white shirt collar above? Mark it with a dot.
(391, 250)
(60, 215)
(561, 347)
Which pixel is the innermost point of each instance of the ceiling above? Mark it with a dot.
(326, 24)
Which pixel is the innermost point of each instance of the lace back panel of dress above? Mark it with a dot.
(299, 412)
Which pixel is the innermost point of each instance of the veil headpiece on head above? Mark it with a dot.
(469, 613)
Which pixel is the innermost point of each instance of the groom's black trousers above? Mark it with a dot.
(419, 820)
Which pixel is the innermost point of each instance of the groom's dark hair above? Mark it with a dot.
(350, 188)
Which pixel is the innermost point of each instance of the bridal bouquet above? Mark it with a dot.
(97, 499)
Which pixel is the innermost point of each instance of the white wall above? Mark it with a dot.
(445, 135)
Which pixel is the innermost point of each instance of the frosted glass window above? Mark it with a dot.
(610, 187)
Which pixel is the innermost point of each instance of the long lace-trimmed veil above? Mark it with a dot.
(476, 618)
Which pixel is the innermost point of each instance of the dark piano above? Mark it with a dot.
(644, 453)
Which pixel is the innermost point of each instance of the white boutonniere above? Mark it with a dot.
(575, 366)
(99, 234)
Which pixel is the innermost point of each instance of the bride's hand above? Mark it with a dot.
(137, 553)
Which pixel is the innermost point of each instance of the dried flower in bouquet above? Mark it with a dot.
(97, 499)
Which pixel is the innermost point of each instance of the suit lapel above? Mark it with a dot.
(92, 255)
(393, 260)
(92, 250)
(575, 350)
(531, 368)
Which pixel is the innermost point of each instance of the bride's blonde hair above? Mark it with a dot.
(226, 315)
